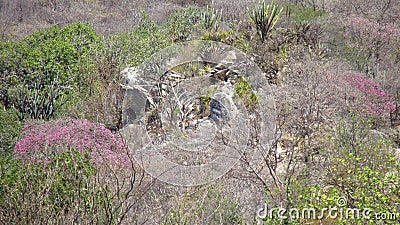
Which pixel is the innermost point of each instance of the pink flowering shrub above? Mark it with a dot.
(371, 34)
(367, 95)
(41, 141)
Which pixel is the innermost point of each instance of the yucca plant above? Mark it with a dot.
(264, 17)
(211, 17)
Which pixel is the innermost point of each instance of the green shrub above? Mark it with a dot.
(243, 89)
(206, 206)
(44, 70)
(10, 128)
(134, 46)
(55, 191)
(302, 15)
(362, 188)
(355, 166)
(219, 36)
(66, 189)
(182, 24)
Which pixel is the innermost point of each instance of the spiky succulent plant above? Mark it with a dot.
(211, 17)
(264, 17)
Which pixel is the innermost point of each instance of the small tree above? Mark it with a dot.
(372, 39)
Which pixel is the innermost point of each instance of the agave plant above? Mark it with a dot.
(211, 17)
(264, 17)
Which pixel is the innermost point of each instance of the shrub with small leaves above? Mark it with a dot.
(10, 128)
(369, 34)
(370, 41)
(65, 190)
(182, 24)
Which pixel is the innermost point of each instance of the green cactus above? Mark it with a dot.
(264, 17)
(38, 100)
(211, 17)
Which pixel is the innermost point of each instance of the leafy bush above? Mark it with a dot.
(362, 186)
(219, 36)
(42, 71)
(205, 206)
(301, 14)
(355, 165)
(10, 128)
(68, 189)
(182, 25)
(134, 46)
(41, 141)
(31, 192)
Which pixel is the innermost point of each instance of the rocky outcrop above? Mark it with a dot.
(197, 109)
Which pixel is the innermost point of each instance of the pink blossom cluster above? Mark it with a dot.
(371, 33)
(370, 99)
(41, 141)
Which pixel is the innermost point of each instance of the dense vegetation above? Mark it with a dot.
(333, 65)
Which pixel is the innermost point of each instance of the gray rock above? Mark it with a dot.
(131, 75)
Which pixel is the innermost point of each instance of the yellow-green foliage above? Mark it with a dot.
(205, 99)
(205, 206)
(10, 128)
(43, 71)
(243, 89)
(361, 170)
(300, 14)
(221, 36)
